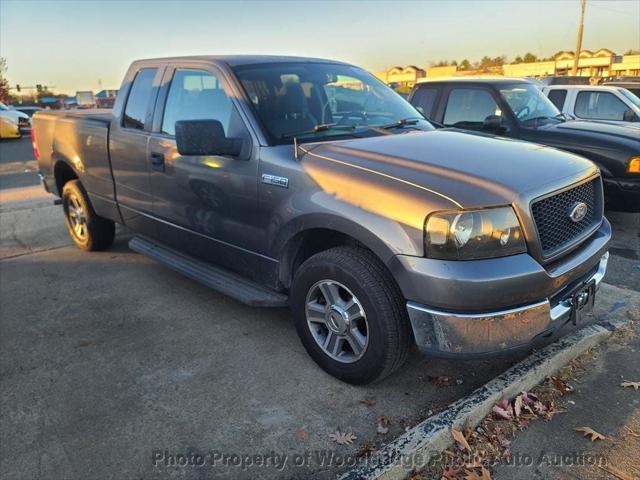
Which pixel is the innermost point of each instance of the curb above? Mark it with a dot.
(415, 447)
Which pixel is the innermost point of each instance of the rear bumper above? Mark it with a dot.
(453, 334)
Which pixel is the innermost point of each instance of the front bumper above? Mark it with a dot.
(452, 334)
(622, 194)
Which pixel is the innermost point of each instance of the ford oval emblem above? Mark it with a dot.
(578, 211)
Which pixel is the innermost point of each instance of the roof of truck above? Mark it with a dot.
(477, 80)
(238, 60)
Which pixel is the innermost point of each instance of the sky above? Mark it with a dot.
(88, 45)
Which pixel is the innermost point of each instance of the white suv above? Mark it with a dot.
(598, 103)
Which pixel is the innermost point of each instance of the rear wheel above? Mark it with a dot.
(350, 315)
(87, 230)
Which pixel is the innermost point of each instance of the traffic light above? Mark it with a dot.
(18, 88)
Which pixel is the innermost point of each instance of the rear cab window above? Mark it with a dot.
(424, 99)
(557, 97)
(137, 106)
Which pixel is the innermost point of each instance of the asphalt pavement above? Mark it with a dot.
(112, 366)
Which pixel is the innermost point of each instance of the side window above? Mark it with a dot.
(424, 99)
(470, 106)
(557, 97)
(196, 95)
(135, 111)
(599, 106)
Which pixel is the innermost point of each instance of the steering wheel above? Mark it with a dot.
(523, 111)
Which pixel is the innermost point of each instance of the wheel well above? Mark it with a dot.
(63, 173)
(306, 244)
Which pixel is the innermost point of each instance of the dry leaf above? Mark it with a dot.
(369, 402)
(441, 381)
(472, 475)
(301, 434)
(468, 430)
(451, 473)
(634, 385)
(632, 433)
(459, 438)
(342, 438)
(502, 413)
(382, 429)
(517, 405)
(591, 432)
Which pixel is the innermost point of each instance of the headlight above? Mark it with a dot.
(634, 165)
(472, 234)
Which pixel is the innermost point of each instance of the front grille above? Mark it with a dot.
(556, 229)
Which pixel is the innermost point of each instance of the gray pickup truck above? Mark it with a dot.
(308, 183)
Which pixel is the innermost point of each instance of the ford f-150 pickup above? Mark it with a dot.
(308, 183)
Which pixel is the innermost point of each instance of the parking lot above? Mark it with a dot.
(110, 364)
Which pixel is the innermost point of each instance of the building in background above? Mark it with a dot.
(596, 65)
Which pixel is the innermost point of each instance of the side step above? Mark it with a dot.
(226, 282)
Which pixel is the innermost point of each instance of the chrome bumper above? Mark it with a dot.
(459, 334)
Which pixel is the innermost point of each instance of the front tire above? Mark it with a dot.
(86, 228)
(350, 315)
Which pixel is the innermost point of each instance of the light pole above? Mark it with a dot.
(576, 56)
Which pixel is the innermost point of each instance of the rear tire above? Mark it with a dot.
(370, 337)
(87, 229)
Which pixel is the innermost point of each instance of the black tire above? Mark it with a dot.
(387, 323)
(98, 232)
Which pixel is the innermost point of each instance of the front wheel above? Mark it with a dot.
(350, 315)
(87, 229)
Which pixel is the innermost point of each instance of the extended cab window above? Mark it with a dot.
(135, 111)
(470, 107)
(599, 106)
(196, 95)
(424, 99)
(558, 97)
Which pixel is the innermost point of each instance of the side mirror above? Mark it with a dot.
(205, 137)
(493, 123)
(629, 116)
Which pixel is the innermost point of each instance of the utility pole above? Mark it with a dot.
(576, 57)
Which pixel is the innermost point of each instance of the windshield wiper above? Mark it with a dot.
(401, 123)
(535, 120)
(322, 127)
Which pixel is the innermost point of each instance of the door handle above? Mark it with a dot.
(157, 161)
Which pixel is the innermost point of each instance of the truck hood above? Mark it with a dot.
(601, 130)
(442, 169)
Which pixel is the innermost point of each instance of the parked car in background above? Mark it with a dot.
(309, 183)
(595, 103)
(516, 108)
(85, 100)
(9, 126)
(27, 110)
(21, 119)
(630, 83)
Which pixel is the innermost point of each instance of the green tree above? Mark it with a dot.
(465, 64)
(530, 57)
(4, 83)
(518, 59)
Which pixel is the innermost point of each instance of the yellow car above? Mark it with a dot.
(12, 122)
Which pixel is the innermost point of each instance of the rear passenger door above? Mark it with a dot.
(128, 138)
(599, 105)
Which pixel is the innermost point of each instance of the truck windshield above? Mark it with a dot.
(530, 106)
(315, 101)
(632, 98)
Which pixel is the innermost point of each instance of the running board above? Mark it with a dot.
(223, 281)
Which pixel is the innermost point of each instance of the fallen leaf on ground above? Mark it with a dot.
(451, 473)
(632, 433)
(468, 429)
(385, 420)
(441, 381)
(459, 438)
(382, 429)
(342, 438)
(590, 432)
(517, 405)
(369, 402)
(473, 475)
(301, 434)
(634, 385)
(501, 412)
